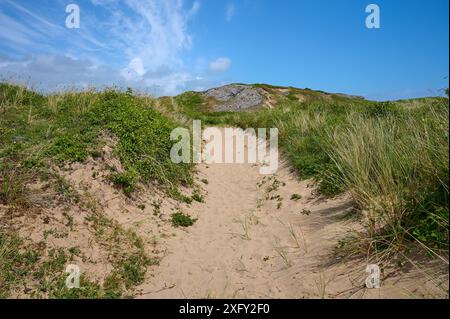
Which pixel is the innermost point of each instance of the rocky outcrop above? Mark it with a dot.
(235, 97)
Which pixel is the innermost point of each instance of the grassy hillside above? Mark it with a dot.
(40, 137)
(392, 157)
(65, 128)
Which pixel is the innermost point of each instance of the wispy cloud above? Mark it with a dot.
(159, 33)
(130, 42)
(16, 32)
(230, 12)
(220, 65)
(43, 21)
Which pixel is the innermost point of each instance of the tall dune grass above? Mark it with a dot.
(396, 169)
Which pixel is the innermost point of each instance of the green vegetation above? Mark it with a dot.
(15, 264)
(37, 130)
(42, 271)
(41, 134)
(197, 197)
(397, 166)
(296, 197)
(182, 220)
(126, 180)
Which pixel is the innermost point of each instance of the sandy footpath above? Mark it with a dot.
(251, 240)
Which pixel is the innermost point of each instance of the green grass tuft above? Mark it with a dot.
(182, 220)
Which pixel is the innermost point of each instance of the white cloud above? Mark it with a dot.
(133, 43)
(134, 71)
(158, 34)
(220, 65)
(230, 12)
(58, 72)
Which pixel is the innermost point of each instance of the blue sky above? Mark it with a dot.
(170, 46)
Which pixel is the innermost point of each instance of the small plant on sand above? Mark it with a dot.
(305, 212)
(245, 227)
(180, 219)
(156, 204)
(197, 197)
(284, 255)
(300, 242)
(126, 180)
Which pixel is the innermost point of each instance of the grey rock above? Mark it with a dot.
(235, 97)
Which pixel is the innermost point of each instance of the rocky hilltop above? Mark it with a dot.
(236, 97)
(246, 97)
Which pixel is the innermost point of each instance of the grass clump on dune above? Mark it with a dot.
(144, 139)
(180, 219)
(396, 168)
(66, 127)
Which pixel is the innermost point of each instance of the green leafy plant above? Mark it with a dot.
(182, 220)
